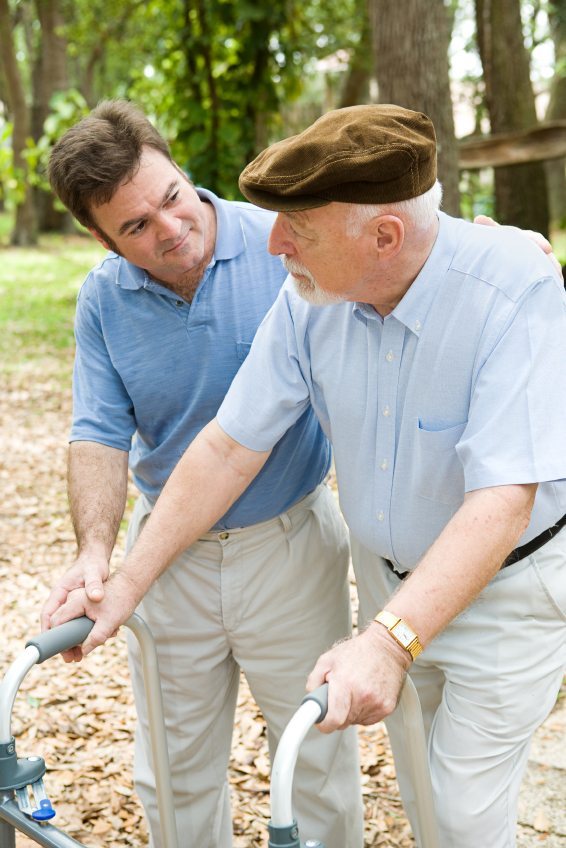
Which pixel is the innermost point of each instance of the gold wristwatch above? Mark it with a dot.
(401, 632)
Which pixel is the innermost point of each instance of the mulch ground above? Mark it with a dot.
(80, 717)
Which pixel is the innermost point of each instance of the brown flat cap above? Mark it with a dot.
(361, 154)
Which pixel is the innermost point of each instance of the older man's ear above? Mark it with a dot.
(389, 234)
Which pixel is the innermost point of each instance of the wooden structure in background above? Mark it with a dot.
(543, 142)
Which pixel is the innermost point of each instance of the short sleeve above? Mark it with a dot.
(517, 420)
(102, 409)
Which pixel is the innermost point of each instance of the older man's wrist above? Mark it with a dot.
(401, 631)
(383, 641)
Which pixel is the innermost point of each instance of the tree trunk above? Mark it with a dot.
(356, 85)
(520, 190)
(24, 232)
(555, 170)
(410, 42)
(49, 75)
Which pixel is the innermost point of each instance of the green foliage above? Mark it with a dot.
(8, 177)
(13, 180)
(476, 194)
(214, 75)
(224, 69)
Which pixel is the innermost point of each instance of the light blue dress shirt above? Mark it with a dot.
(151, 369)
(461, 387)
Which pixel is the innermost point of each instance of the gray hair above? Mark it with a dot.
(419, 211)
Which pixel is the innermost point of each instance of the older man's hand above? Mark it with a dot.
(365, 676)
(121, 597)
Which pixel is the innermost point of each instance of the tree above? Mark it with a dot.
(557, 110)
(24, 232)
(520, 190)
(49, 75)
(356, 85)
(411, 41)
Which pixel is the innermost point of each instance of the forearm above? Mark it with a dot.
(463, 559)
(211, 475)
(366, 673)
(97, 480)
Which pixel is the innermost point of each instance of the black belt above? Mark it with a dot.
(516, 555)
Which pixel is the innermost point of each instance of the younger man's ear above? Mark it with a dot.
(99, 237)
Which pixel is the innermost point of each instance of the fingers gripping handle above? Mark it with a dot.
(319, 695)
(62, 638)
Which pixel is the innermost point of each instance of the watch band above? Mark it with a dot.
(403, 634)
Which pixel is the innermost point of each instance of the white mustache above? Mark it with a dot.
(307, 286)
(294, 267)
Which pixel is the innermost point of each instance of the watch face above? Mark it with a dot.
(403, 633)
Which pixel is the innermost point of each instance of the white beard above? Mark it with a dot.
(306, 285)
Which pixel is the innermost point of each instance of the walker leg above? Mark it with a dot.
(411, 712)
(7, 836)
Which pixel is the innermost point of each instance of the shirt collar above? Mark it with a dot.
(229, 243)
(229, 235)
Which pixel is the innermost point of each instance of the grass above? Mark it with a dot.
(38, 289)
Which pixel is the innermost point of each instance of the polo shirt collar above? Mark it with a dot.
(229, 236)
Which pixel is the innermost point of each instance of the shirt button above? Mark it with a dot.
(389, 356)
(179, 302)
(223, 536)
(380, 515)
(386, 411)
(418, 325)
(384, 465)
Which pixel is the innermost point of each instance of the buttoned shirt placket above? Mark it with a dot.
(389, 361)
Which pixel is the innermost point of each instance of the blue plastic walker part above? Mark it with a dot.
(45, 811)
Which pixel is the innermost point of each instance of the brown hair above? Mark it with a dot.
(98, 154)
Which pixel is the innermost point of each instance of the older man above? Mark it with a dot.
(437, 370)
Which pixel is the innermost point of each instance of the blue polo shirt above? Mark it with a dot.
(461, 387)
(151, 369)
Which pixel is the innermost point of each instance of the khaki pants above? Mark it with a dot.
(485, 684)
(268, 600)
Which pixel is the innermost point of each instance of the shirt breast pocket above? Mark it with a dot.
(439, 472)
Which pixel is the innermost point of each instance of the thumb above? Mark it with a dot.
(94, 587)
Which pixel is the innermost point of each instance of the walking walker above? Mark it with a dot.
(283, 829)
(24, 802)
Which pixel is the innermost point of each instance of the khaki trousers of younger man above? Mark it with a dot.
(485, 684)
(268, 600)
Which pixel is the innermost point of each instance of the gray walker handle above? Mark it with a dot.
(319, 696)
(61, 638)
